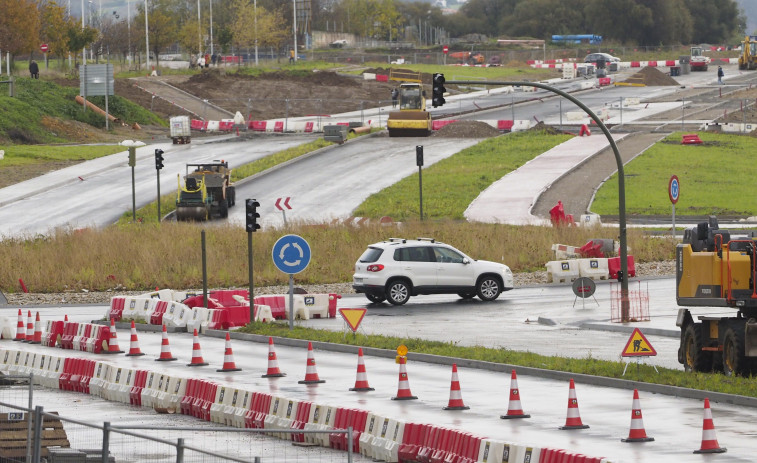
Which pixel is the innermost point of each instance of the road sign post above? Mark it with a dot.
(674, 191)
(445, 49)
(291, 254)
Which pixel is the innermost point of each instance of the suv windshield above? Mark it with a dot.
(371, 255)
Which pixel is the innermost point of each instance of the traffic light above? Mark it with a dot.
(437, 98)
(158, 159)
(251, 208)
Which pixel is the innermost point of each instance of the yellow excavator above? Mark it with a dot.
(748, 58)
(412, 119)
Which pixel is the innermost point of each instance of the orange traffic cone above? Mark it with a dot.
(514, 408)
(134, 350)
(403, 388)
(361, 380)
(273, 363)
(165, 349)
(228, 357)
(113, 342)
(20, 330)
(37, 337)
(197, 360)
(29, 327)
(573, 420)
(709, 441)
(455, 396)
(637, 432)
(311, 375)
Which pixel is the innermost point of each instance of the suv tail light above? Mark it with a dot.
(375, 268)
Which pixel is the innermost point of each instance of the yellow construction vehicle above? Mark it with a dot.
(207, 192)
(748, 58)
(714, 269)
(412, 119)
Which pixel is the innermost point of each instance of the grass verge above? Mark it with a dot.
(451, 184)
(706, 187)
(588, 366)
(140, 257)
(37, 100)
(24, 155)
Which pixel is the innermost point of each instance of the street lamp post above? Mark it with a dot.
(211, 28)
(199, 29)
(294, 27)
(255, 20)
(132, 145)
(147, 39)
(624, 301)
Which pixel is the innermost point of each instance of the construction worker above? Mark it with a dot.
(291, 55)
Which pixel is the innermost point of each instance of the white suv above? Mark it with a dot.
(396, 269)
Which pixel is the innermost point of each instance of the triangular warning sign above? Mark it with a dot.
(638, 346)
(353, 317)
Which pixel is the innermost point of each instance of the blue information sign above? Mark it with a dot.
(291, 254)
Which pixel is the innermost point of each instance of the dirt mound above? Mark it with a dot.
(467, 129)
(547, 129)
(651, 77)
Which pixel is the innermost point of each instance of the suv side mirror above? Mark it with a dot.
(466, 261)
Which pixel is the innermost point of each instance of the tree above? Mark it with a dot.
(19, 26)
(53, 30)
(78, 38)
(188, 36)
(271, 26)
(162, 27)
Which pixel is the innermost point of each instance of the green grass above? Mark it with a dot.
(24, 155)
(451, 184)
(588, 366)
(712, 176)
(35, 99)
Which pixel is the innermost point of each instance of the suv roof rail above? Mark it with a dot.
(397, 240)
(420, 238)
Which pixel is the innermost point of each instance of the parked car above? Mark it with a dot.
(594, 57)
(396, 269)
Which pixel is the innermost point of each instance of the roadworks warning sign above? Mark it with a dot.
(638, 346)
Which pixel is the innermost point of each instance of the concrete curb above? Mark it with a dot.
(674, 391)
(629, 329)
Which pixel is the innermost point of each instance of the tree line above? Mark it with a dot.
(243, 24)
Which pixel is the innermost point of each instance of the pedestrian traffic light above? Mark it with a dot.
(251, 207)
(437, 98)
(158, 158)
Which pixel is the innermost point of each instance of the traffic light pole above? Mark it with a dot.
(158, 195)
(133, 197)
(624, 302)
(249, 275)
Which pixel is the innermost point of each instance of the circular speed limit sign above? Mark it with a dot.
(674, 189)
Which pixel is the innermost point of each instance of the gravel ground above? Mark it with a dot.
(643, 270)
